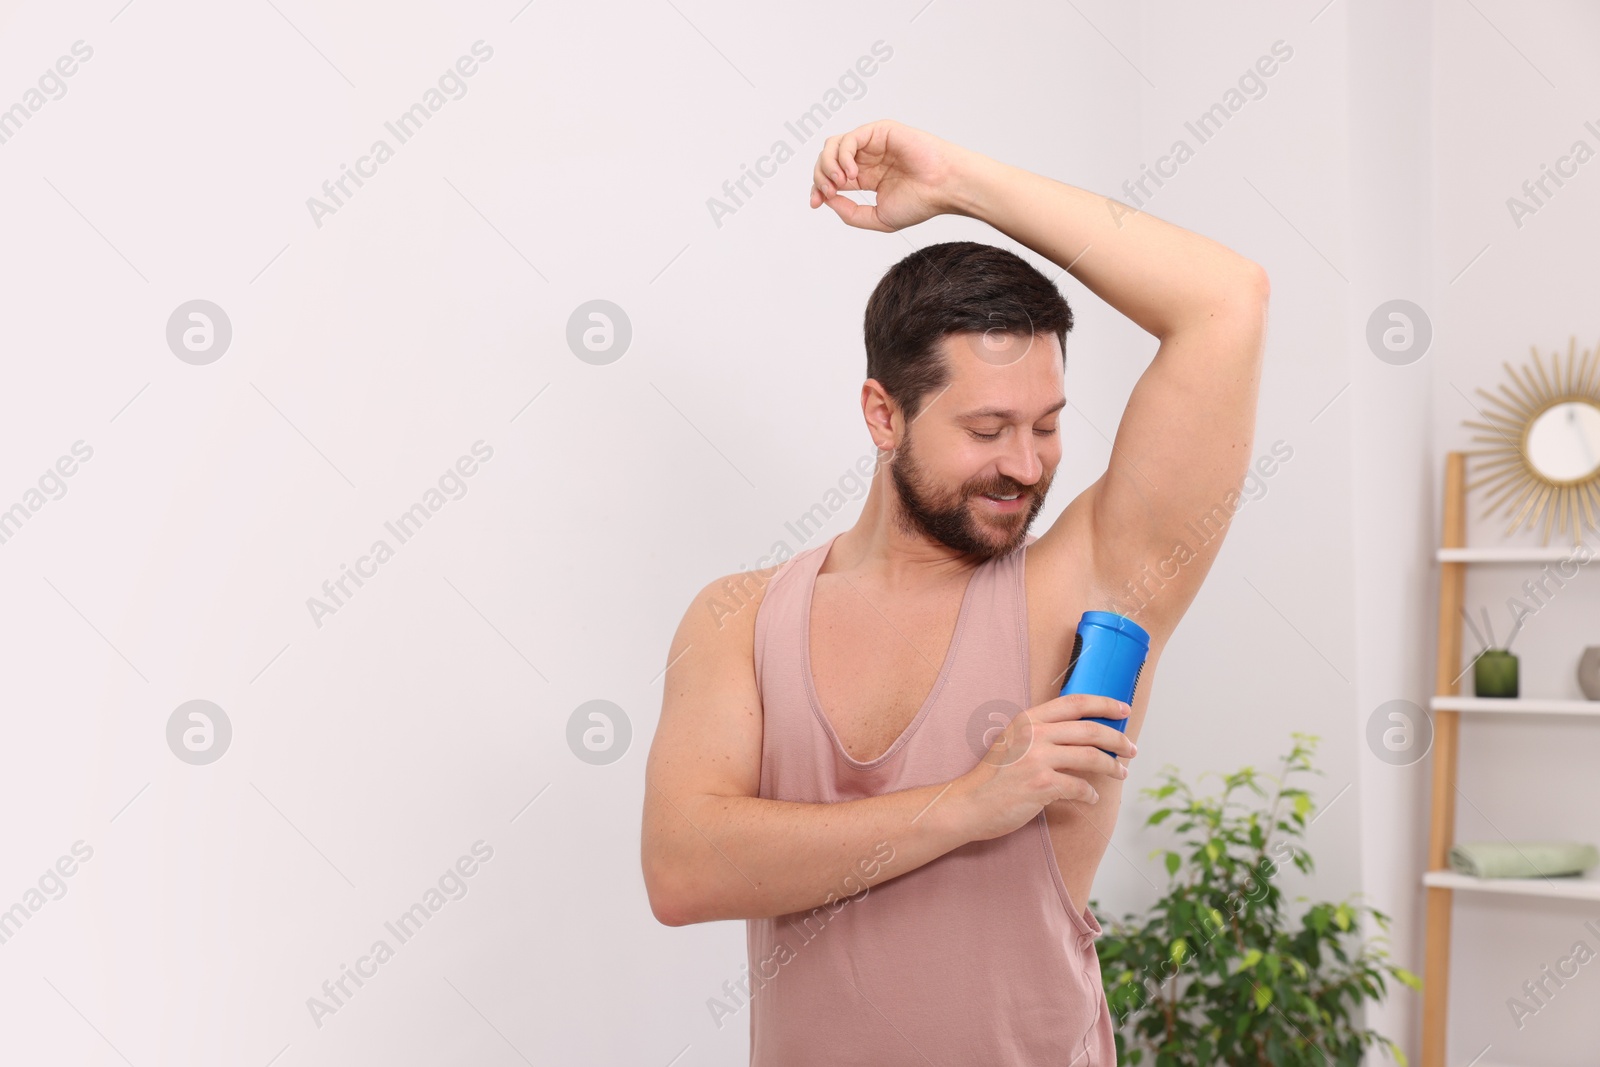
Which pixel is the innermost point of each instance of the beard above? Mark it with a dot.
(950, 518)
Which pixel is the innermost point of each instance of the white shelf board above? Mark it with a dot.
(1517, 705)
(1586, 887)
(1549, 554)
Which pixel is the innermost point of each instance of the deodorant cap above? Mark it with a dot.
(1121, 623)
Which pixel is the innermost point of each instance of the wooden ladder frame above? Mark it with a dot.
(1446, 738)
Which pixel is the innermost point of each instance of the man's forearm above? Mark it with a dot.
(1161, 276)
(751, 857)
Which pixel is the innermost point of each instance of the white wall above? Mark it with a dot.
(430, 312)
(1390, 220)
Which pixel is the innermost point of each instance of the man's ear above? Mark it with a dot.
(885, 422)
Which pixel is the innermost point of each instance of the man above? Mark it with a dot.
(861, 750)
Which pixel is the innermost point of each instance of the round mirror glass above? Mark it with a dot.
(1564, 441)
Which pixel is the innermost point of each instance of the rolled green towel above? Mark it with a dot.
(1523, 859)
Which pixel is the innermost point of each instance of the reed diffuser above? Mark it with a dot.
(1494, 671)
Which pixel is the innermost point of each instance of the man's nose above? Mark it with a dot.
(1021, 461)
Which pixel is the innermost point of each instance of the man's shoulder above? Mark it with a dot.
(731, 603)
(736, 599)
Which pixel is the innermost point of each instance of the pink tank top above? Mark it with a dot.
(976, 957)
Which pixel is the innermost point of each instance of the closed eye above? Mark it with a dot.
(992, 436)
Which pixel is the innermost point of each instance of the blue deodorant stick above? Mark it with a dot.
(1107, 655)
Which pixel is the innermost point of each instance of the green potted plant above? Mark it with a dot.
(1217, 972)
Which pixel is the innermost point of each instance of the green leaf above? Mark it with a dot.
(1174, 861)
(1341, 916)
(1180, 948)
(1263, 997)
(1408, 978)
(1157, 817)
(1251, 958)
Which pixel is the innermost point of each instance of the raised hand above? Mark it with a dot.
(914, 174)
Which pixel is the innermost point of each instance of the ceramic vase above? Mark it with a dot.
(1589, 672)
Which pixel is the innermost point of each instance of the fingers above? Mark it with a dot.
(1080, 706)
(836, 167)
(861, 216)
(1076, 732)
(1084, 747)
(1084, 759)
(836, 163)
(1096, 735)
(1071, 787)
(847, 156)
(826, 175)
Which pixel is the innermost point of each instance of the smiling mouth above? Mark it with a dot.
(1004, 503)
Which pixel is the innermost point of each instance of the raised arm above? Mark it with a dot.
(1183, 446)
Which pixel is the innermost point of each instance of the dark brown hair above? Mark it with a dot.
(953, 287)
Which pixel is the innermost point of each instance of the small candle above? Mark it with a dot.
(1495, 674)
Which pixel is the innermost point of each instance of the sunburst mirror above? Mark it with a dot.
(1543, 438)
